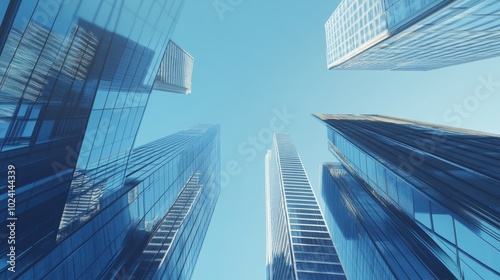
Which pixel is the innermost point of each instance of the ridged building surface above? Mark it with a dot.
(435, 188)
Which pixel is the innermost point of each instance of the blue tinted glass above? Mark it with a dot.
(3, 8)
(422, 209)
(28, 129)
(405, 196)
(477, 247)
(443, 222)
(4, 126)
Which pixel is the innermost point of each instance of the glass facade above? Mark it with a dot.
(410, 34)
(442, 179)
(373, 242)
(154, 225)
(75, 77)
(176, 70)
(184, 183)
(299, 245)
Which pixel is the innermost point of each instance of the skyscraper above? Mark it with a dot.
(182, 173)
(428, 193)
(75, 77)
(176, 70)
(153, 226)
(411, 35)
(299, 245)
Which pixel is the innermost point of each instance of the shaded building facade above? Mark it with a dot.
(299, 245)
(75, 77)
(440, 184)
(411, 35)
(154, 225)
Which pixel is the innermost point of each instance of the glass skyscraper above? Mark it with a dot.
(152, 227)
(176, 70)
(413, 200)
(75, 77)
(299, 245)
(411, 34)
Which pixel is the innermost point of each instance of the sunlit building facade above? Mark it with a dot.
(299, 245)
(411, 34)
(176, 70)
(75, 77)
(434, 191)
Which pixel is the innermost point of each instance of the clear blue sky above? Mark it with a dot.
(268, 55)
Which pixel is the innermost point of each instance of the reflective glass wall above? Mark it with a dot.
(176, 70)
(373, 241)
(154, 226)
(411, 35)
(416, 167)
(75, 77)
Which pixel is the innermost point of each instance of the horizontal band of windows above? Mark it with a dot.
(300, 189)
(305, 188)
(293, 171)
(293, 176)
(297, 187)
(313, 228)
(287, 182)
(307, 222)
(300, 192)
(304, 211)
(302, 206)
(299, 179)
(290, 160)
(309, 202)
(310, 234)
(315, 241)
(287, 193)
(320, 276)
(319, 267)
(305, 198)
(305, 216)
(289, 165)
(320, 257)
(298, 172)
(313, 249)
(293, 192)
(301, 201)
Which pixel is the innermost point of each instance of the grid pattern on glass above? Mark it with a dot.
(436, 191)
(53, 63)
(354, 23)
(279, 249)
(452, 32)
(400, 12)
(117, 111)
(312, 251)
(60, 78)
(176, 70)
(103, 245)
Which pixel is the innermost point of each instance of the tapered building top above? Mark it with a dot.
(299, 245)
